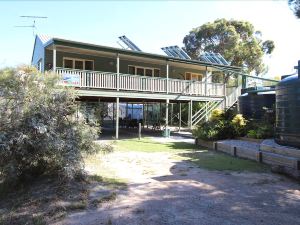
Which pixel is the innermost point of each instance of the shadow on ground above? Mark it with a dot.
(193, 194)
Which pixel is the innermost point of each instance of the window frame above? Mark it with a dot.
(144, 68)
(193, 74)
(78, 59)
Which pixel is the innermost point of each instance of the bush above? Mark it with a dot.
(251, 134)
(262, 131)
(38, 130)
(217, 114)
(239, 125)
(221, 126)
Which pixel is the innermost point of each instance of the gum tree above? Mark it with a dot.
(237, 41)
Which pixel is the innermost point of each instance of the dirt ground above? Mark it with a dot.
(165, 190)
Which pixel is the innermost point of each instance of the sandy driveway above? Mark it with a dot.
(163, 190)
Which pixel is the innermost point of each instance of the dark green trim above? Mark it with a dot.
(75, 44)
(244, 81)
(246, 75)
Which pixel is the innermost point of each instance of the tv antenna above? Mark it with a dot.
(33, 25)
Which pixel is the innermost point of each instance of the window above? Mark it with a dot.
(144, 71)
(80, 64)
(149, 72)
(89, 65)
(131, 70)
(156, 72)
(193, 76)
(139, 71)
(68, 63)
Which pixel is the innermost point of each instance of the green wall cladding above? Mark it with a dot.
(109, 64)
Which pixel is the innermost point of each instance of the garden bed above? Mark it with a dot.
(251, 139)
(282, 159)
(207, 144)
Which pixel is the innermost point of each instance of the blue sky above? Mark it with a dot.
(150, 24)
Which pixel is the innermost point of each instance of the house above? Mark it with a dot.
(119, 75)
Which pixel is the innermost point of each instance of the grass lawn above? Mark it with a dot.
(148, 145)
(200, 156)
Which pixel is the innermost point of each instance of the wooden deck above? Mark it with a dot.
(142, 84)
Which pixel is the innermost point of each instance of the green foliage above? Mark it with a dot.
(182, 151)
(214, 130)
(221, 126)
(38, 130)
(252, 134)
(264, 128)
(295, 6)
(219, 161)
(261, 131)
(237, 41)
(148, 145)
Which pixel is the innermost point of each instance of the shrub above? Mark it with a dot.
(38, 130)
(239, 124)
(262, 131)
(251, 134)
(221, 126)
(214, 130)
(217, 114)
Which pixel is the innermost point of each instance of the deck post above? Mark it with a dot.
(113, 115)
(206, 81)
(167, 113)
(171, 122)
(167, 80)
(126, 110)
(117, 119)
(118, 72)
(99, 107)
(54, 58)
(179, 116)
(206, 115)
(225, 97)
(147, 114)
(159, 121)
(190, 114)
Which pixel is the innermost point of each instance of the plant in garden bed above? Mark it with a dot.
(261, 131)
(264, 128)
(221, 125)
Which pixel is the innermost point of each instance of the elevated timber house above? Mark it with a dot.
(115, 75)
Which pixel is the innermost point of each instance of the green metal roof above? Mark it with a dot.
(76, 44)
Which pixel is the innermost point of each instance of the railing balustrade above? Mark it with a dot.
(108, 80)
(233, 96)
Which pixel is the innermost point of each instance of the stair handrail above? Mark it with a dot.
(211, 107)
(202, 110)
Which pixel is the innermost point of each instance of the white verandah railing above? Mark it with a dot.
(108, 80)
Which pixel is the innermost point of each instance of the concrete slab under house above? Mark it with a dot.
(125, 83)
